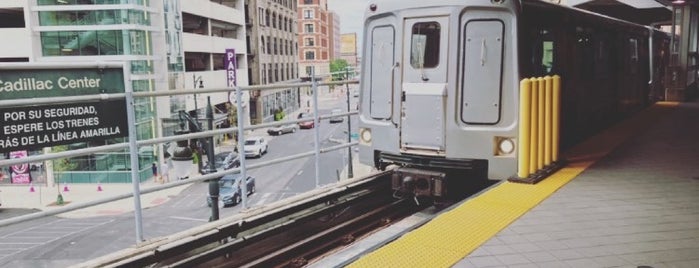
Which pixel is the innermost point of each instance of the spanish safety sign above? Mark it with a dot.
(44, 125)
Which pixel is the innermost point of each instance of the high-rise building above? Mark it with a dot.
(334, 35)
(272, 56)
(169, 44)
(314, 37)
(209, 27)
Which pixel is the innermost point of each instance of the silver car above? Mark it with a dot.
(282, 129)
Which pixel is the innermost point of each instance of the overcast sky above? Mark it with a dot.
(351, 16)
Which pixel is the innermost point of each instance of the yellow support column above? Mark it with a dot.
(541, 123)
(547, 120)
(556, 117)
(533, 140)
(525, 98)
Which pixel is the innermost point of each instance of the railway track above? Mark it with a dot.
(284, 237)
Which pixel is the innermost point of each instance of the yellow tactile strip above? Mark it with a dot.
(453, 235)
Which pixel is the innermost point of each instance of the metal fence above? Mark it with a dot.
(132, 145)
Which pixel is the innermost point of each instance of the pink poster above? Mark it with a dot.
(20, 172)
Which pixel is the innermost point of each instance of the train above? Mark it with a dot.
(440, 89)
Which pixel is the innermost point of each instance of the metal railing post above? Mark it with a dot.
(316, 123)
(133, 153)
(241, 145)
(349, 129)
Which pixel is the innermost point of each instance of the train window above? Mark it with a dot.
(633, 55)
(585, 52)
(547, 56)
(424, 48)
(542, 53)
(633, 46)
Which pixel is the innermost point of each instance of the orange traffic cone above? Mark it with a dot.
(99, 187)
(31, 188)
(65, 187)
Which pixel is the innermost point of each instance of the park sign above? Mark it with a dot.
(46, 124)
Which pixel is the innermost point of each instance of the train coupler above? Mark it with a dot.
(418, 183)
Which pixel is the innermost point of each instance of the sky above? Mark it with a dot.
(351, 16)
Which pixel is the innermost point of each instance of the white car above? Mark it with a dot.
(255, 146)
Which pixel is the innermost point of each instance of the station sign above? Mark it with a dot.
(231, 64)
(45, 125)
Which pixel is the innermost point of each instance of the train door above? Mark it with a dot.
(424, 73)
(482, 71)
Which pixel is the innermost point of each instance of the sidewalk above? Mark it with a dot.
(44, 197)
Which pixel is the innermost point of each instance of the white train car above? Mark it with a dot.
(440, 82)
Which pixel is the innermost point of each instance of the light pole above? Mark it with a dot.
(211, 168)
(349, 127)
(200, 81)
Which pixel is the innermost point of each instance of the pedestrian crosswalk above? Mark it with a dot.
(25, 239)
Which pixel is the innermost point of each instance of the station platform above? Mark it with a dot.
(628, 197)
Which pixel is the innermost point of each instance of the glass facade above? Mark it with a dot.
(87, 45)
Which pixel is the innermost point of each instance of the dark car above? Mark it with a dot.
(336, 119)
(279, 130)
(308, 123)
(226, 160)
(230, 189)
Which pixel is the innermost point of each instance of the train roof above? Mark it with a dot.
(387, 6)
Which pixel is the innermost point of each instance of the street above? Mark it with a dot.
(59, 242)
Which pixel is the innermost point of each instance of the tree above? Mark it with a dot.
(337, 68)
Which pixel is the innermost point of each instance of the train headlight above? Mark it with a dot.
(365, 136)
(506, 146)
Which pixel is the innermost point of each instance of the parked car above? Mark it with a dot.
(230, 189)
(338, 119)
(226, 160)
(255, 146)
(281, 129)
(306, 124)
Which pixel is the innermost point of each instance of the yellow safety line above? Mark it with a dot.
(453, 235)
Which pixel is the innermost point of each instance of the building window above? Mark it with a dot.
(274, 20)
(262, 43)
(307, 2)
(264, 75)
(269, 73)
(307, 13)
(269, 47)
(310, 55)
(308, 28)
(261, 16)
(309, 69)
(267, 18)
(310, 42)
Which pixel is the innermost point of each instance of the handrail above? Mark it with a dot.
(125, 145)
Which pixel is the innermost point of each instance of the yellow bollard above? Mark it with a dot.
(533, 132)
(556, 117)
(525, 98)
(547, 120)
(541, 123)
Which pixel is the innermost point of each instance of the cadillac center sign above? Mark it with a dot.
(44, 125)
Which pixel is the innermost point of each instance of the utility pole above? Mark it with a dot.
(349, 127)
